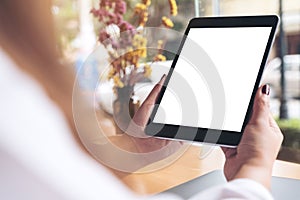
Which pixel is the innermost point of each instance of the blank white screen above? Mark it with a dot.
(236, 54)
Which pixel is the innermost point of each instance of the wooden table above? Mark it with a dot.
(187, 167)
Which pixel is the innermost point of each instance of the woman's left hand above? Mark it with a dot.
(143, 143)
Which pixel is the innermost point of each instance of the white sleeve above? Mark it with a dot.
(237, 189)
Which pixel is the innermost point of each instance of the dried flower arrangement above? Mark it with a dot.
(128, 52)
(126, 45)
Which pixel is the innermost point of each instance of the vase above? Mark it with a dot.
(124, 107)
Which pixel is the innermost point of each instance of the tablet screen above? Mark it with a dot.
(236, 54)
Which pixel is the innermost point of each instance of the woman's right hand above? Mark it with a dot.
(255, 155)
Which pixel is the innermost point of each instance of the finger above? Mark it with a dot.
(261, 109)
(224, 149)
(272, 121)
(274, 124)
(142, 115)
(151, 98)
(229, 152)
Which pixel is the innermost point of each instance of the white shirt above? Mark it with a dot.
(39, 158)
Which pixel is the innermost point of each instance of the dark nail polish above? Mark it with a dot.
(266, 89)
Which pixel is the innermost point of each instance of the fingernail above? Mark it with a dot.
(266, 89)
(163, 76)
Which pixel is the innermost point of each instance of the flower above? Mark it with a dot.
(118, 82)
(111, 73)
(167, 22)
(140, 43)
(160, 57)
(127, 47)
(139, 8)
(103, 35)
(120, 7)
(143, 19)
(147, 2)
(173, 7)
(125, 26)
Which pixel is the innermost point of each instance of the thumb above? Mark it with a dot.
(260, 112)
(141, 117)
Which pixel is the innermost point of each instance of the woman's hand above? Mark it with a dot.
(255, 155)
(143, 143)
(139, 150)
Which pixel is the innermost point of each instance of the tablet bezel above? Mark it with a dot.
(226, 138)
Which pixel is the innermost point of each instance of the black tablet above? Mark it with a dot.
(210, 88)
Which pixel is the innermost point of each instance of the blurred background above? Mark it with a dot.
(77, 33)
